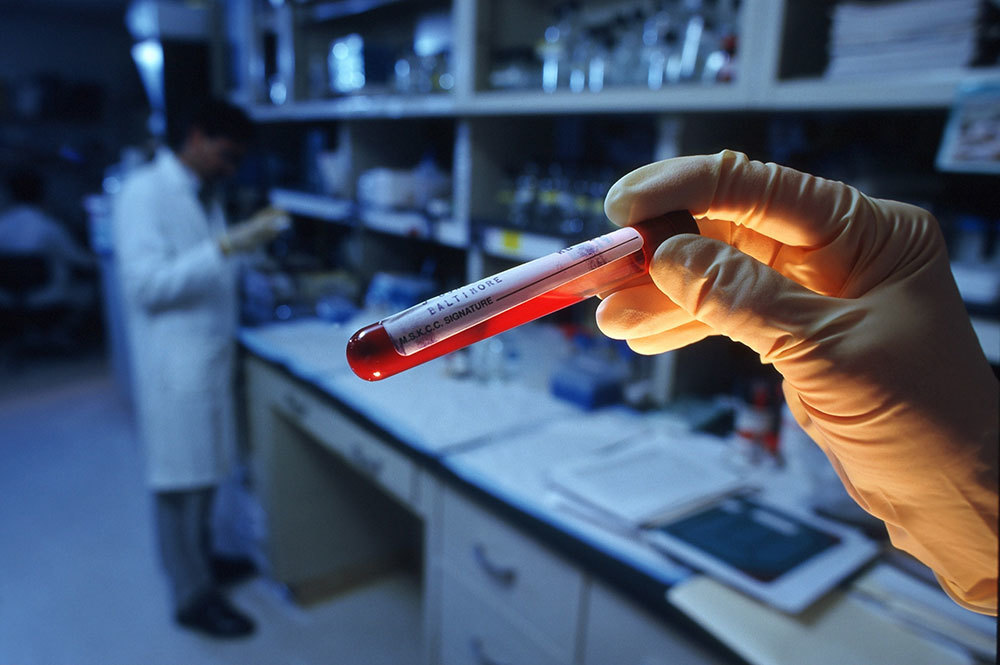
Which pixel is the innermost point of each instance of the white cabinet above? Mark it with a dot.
(363, 451)
(619, 632)
(476, 630)
(539, 592)
(338, 433)
(333, 520)
(506, 598)
(343, 506)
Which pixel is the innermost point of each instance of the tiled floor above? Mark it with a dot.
(79, 579)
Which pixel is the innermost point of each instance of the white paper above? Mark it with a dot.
(641, 482)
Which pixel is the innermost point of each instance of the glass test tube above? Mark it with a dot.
(492, 305)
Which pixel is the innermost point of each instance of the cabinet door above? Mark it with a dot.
(620, 633)
(511, 571)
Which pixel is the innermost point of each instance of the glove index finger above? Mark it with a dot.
(789, 206)
(740, 297)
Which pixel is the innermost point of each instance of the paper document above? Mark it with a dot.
(642, 482)
(838, 629)
(927, 610)
(909, 36)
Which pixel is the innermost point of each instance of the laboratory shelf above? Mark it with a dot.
(326, 10)
(404, 223)
(780, 65)
(408, 223)
(935, 89)
(415, 224)
(928, 89)
(519, 245)
(718, 97)
(317, 206)
(685, 97)
(357, 107)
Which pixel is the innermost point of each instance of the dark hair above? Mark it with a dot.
(26, 186)
(217, 118)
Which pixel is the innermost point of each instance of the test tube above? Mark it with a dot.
(492, 305)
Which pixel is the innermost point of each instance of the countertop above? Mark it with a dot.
(496, 440)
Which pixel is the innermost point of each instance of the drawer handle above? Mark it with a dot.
(479, 653)
(366, 463)
(502, 575)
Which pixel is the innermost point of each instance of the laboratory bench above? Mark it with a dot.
(450, 476)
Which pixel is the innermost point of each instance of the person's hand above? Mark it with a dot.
(852, 299)
(252, 233)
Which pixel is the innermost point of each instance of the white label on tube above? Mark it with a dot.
(448, 314)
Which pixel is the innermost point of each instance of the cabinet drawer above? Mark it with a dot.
(620, 632)
(512, 571)
(356, 445)
(366, 453)
(304, 409)
(473, 632)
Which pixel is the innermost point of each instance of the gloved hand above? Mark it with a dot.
(852, 299)
(252, 233)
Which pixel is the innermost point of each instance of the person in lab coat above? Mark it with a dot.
(852, 299)
(176, 262)
(26, 229)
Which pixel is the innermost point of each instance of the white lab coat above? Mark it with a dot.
(179, 298)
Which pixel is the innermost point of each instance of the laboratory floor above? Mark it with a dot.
(80, 582)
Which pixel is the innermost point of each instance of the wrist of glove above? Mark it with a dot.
(254, 232)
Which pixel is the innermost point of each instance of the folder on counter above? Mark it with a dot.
(840, 628)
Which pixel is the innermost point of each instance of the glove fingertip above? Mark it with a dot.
(670, 340)
(617, 204)
(684, 253)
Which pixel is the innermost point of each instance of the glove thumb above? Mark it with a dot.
(742, 298)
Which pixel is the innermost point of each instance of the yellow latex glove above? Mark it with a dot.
(852, 299)
(254, 232)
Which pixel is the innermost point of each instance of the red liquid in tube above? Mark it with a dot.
(539, 287)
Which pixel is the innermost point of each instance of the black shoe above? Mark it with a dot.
(213, 615)
(229, 570)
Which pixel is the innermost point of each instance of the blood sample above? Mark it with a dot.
(503, 301)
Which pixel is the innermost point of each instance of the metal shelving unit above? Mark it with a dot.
(765, 28)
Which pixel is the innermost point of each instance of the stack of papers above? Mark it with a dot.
(898, 36)
(638, 483)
